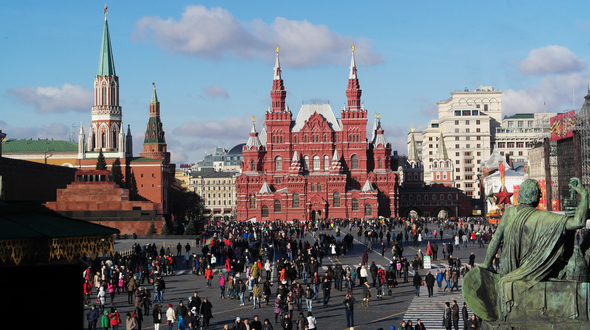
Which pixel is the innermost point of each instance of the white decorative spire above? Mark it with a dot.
(277, 70)
(352, 74)
(368, 187)
(335, 157)
(265, 189)
(81, 142)
(295, 156)
(253, 139)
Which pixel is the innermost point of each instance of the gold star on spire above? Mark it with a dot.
(278, 49)
(106, 8)
(352, 47)
(253, 119)
(412, 129)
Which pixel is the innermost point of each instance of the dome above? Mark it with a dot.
(237, 149)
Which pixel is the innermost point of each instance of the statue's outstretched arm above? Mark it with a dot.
(579, 217)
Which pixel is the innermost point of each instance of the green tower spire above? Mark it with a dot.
(154, 95)
(106, 63)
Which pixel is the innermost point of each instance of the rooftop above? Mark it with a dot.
(521, 116)
(38, 146)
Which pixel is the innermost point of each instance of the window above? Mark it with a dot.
(456, 122)
(510, 144)
(456, 146)
(458, 185)
(467, 138)
(379, 163)
(520, 153)
(475, 112)
(469, 185)
(456, 130)
(430, 146)
(467, 122)
(319, 187)
(457, 162)
(336, 199)
(479, 153)
(355, 204)
(354, 162)
(430, 138)
(295, 200)
(466, 113)
(468, 153)
(458, 169)
(252, 166)
(467, 130)
(295, 139)
(501, 144)
(478, 130)
(510, 124)
(442, 197)
(457, 154)
(477, 122)
(478, 138)
(467, 146)
(326, 163)
(520, 124)
(529, 123)
(469, 177)
(279, 180)
(456, 138)
(306, 163)
(368, 210)
(312, 187)
(478, 146)
(316, 163)
(265, 211)
(457, 112)
(278, 163)
(485, 107)
(425, 197)
(520, 144)
(277, 206)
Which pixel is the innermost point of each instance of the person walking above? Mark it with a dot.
(439, 279)
(157, 316)
(448, 315)
(465, 316)
(256, 293)
(92, 317)
(170, 317)
(430, 283)
(131, 323)
(366, 293)
(349, 307)
(455, 309)
(326, 287)
(206, 312)
(417, 281)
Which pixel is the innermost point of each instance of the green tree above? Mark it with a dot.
(190, 229)
(164, 230)
(117, 174)
(152, 229)
(185, 205)
(101, 164)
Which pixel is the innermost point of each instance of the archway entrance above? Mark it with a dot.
(442, 214)
(413, 214)
(316, 215)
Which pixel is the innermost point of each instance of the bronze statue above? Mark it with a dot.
(538, 246)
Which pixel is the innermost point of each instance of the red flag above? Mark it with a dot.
(429, 249)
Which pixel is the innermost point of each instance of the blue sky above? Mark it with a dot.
(212, 61)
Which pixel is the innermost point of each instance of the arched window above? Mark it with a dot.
(433, 197)
(252, 201)
(326, 163)
(305, 139)
(319, 187)
(444, 175)
(295, 200)
(449, 197)
(104, 140)
(306, 163)
(368, 210)
(277, 206)
(278, 163)
(354, 162)
(438, 175)
(265, 211)
(252, 167)
(114, 139)
(442, 197)
(418, 197)
(312, 187)
(425, 197)
(316, 163)
(295, 139)
(416, 176)
(355, 204)
(336, 199)
(379, 163)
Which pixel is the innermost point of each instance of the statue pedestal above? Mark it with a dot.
(551, 305)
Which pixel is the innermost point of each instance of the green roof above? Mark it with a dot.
(521, 116)
(106, 63)
(31, 220)
(143, 160)
(36, 146)
(154, 96)
(154, 133)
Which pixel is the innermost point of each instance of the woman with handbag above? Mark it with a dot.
(157, 316)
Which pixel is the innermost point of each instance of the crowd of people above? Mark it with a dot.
(240, 258)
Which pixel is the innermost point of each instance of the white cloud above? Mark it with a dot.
(552, 59)
(215, 33)
(555, 90)
(55, 99)
(56, 131)
(215, 91)
(234, 128)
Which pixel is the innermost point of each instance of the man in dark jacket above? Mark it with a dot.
(465, 316)
(417, 283)
(349, 306)
(373, 269)
(430, 283)
(92, 317)
(455, 309)
(181, 310)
